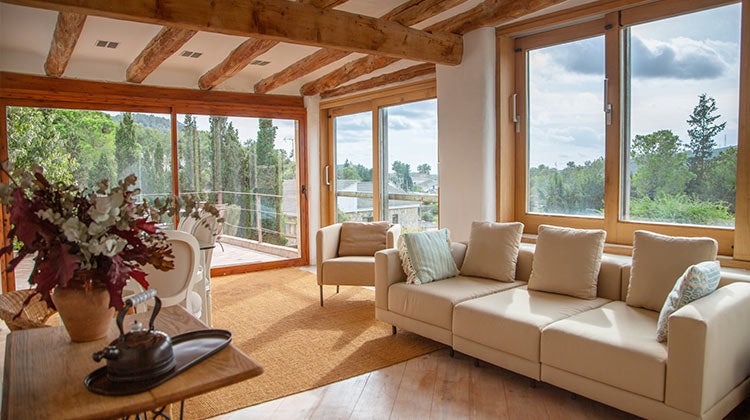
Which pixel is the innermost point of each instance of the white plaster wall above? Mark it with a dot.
(312, 104)
(466, 135)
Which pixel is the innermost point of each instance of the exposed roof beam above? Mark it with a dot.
(270, 19)
(241, 56)
(161, 47)
(67, 30)
(347, 72)
(407, 14)
(489, 13)
(382, 80)
(237, 60)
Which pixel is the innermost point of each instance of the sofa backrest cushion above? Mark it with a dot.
(493, 250)
(567, 261)
(658, 261)
(362, 238)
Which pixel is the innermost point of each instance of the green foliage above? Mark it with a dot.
(353, 172)
(402, 175)
(126, 149)
(703, 129)
(576, 189)
(680, 208)
(661, 165)
(424, 168)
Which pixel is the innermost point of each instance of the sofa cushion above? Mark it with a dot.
(493, 250)
(354, 271)
(362, 238)
(613, 344)
(567, 261)
(512, 321)
(658, 261)
(433, 302)
(429, 256)
(697, 281)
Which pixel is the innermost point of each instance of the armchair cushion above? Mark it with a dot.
(362, 238)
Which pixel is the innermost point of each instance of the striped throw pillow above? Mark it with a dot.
(430, 255)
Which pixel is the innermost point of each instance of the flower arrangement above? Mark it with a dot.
(102, 232)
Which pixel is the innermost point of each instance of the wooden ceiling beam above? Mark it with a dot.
(161, 47)
(237, 60)
(382, 80)
(407, 14)
(67, 30)
(488, 13)
(270, 20)
(241, 56)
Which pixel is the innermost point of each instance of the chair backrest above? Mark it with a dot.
(173, 286)
(187, 223)
(206, 231)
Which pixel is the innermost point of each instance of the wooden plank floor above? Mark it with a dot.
(436, 386)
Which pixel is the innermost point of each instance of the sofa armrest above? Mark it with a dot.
(388, 271)
(709, 349)
(391, 238)
(327, 243)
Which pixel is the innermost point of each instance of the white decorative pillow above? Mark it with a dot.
(567, 261)
(658, 261)
(429, 255)
(493, 250)
(698, 280)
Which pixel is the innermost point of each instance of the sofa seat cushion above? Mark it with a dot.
(354, 271)
(512, 321)
(614, 344)
(433, 302)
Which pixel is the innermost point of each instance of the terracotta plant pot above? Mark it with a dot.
(85, 313)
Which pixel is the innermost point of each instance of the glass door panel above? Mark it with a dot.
(409, 133)
(353, 170)
(248, 168)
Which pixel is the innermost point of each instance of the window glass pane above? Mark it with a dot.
(87, 146)
(410, 136)
(682, 117)
(566, 129)
(353, 172)
(247, 167)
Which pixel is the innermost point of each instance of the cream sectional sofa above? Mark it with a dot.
(600, 348)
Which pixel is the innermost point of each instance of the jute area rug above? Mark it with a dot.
(275, 317)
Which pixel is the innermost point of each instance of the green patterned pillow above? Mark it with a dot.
(698, 280)
(430, 256)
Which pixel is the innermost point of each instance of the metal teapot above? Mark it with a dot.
(140, 354)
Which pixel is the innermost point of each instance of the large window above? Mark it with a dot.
(393, 178)
(631, 121)
(682, 92)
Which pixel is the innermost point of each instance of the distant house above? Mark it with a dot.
(360, 209)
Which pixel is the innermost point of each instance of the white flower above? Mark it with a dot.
(108, 246)
(96, 229)
(106, 208)
(74, 230)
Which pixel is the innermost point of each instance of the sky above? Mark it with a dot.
(673, 62)
(248, 129)
(411, 134)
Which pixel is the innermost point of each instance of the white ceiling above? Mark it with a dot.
(26, 33)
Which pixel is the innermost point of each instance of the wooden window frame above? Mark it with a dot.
(36, 91)
(734, 243)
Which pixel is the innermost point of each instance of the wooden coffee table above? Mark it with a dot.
(44, 373)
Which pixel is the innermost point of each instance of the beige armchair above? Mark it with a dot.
(346, 252)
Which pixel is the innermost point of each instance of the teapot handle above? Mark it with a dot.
(136, 300)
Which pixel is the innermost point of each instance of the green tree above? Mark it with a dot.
(126, 149)
(269, 183)
(703, 129)
(661, 166)
(424, 169)
(722, 177)
(402, 175)
(348, 172)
